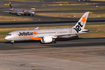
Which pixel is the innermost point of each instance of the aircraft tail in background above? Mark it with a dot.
(10, 5)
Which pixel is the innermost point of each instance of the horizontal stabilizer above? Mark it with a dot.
(37, 28)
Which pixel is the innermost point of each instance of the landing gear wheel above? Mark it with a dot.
(31, 14)
(10, 13)
(54, 42)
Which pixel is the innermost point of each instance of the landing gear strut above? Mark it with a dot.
(53, 41)
(12, 42)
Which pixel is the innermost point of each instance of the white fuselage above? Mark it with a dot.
(22, 11)
(39, 33)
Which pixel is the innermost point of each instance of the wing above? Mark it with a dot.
(6, 11)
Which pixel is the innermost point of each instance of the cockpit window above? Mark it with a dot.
(8, 34)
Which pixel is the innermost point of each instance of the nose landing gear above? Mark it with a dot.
(12, 42)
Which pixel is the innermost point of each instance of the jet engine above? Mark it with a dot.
(18, 14)
(46, 39)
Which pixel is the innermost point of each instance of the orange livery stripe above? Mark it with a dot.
(36, 38)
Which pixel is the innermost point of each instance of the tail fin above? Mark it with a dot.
(10, 5)
(80, 25)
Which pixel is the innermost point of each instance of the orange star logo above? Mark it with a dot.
(83, 20)
(34, 33)
(12, 9)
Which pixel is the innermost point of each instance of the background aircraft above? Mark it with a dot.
(20, 11)
(49, 35)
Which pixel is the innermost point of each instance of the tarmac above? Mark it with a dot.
(76, 54)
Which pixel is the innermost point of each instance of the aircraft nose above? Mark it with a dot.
(6, 38)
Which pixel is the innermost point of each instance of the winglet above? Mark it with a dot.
(37, 28)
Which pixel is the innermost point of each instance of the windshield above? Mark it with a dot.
(8, 34)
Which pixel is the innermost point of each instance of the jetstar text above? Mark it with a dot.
(25, 33)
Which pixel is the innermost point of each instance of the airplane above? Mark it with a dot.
(20, 11)
(49, 35)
